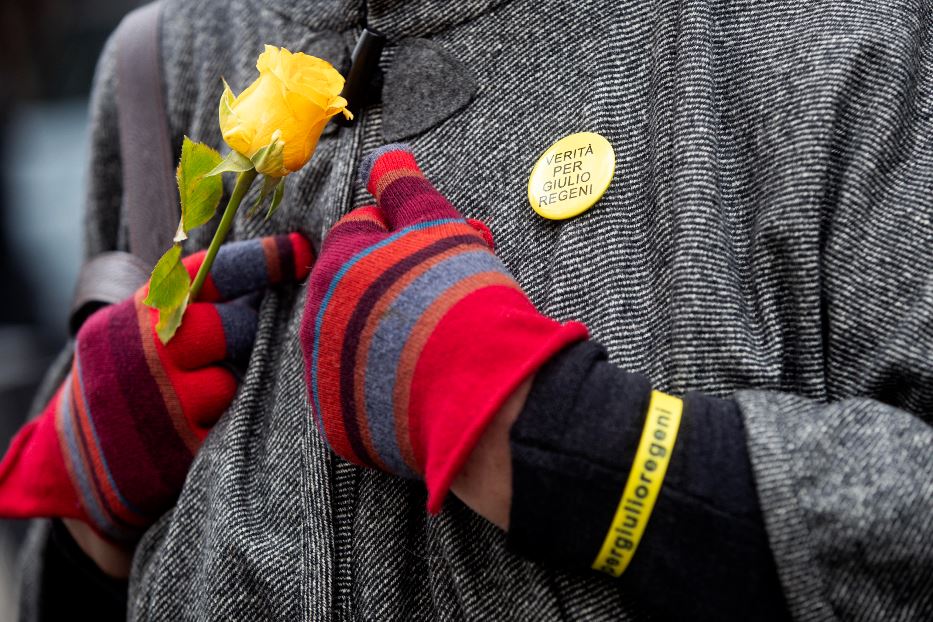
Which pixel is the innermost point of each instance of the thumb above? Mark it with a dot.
(250, 265)
(34, 480)
(403, 193)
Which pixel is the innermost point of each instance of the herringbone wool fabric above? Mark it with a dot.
(768, 234)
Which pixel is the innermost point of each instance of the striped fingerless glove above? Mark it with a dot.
(114, 445)
(414, 333)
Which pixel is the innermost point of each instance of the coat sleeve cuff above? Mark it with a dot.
(704, 553)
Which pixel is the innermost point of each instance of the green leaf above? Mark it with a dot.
(168, 292)
(276, 198)
(169, 282)
(234, 162)
(169, 321)
(199, 194)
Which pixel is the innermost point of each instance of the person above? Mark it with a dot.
(763, 251)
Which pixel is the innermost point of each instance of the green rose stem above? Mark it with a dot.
(243, 181)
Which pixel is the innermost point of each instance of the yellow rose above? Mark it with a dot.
(277, 121)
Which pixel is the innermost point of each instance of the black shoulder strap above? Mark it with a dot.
(150, 198)
(103, 280)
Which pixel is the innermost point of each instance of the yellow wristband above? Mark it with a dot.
(643, 485)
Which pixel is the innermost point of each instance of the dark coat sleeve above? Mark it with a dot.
(704, 554)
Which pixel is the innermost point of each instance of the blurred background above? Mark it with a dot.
(48, 51)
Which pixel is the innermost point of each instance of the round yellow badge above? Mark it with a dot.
(571, 175)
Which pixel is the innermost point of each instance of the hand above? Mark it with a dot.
(484, 483)
(414, 332)
(113, 447)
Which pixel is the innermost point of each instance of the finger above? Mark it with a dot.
(361, 221)
(484, 231)
(359, 229)
(211, 333)
(252, 300)
(205, 394)
(240, 322)
(402, 192)
(250, 265)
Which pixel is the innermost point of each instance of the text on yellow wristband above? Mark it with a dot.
(643, 485)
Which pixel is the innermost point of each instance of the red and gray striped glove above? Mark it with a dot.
(114, 445)
(414, 332)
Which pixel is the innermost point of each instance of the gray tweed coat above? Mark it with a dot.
(768, 236)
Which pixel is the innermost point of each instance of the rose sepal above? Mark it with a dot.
(233, 162)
